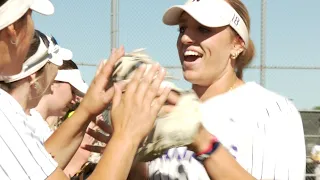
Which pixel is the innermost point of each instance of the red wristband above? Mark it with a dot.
(203, 155)
(209, 149)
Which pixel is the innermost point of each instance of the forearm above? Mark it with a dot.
(116, 160)
(80, 157)
(77, 161)
(65, 141)
(221, 165)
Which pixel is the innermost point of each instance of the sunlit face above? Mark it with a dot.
(204, 52)
(24, 30)
(41, 82)
(61, 98)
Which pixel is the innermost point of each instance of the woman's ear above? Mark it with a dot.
(238, 47)
(11, 33)
(52, 88)
(33, 78)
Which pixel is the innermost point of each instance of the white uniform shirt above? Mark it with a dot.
(260, 128)
(22, 156)
(39, 126)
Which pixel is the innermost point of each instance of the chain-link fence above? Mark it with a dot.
(311, 124)
(285, 36)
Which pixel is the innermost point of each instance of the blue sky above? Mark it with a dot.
(292, 38)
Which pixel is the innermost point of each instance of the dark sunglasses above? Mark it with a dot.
(45, 39)
(55, 42)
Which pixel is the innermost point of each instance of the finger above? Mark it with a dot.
(101, 64)
(145, 83)
(165, 109)
(93, 125)
(133, 84)
(98, 136)
(87, 139)
(104, 76)
(155, 108)
(122, 85)
(108, 95)
(99, 117)
(95, 149)
(105, 127)
(154, 88)
(173, 98)
(117, 97)
(109, 65)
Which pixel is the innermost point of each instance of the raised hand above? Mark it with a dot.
(133, 113)
(100, 92)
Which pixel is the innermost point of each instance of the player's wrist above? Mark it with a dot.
(126, 138)
(123, 141)
(208, 150)
(205, 144)
(202, 141)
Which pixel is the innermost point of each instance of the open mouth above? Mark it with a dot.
(191, 56)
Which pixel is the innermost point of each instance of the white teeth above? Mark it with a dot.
(191, 53)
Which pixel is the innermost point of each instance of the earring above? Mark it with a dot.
(234, 55)
(13, 42)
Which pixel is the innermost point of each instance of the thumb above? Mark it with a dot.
(122, 85)
(117, 96)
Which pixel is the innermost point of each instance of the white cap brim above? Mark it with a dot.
(74, 78)
(44, 7)
(172, 16)
(210, 13)
(12, 10)
(58, 53)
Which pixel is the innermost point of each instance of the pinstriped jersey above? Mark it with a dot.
(261, 129)
(22, 155)
(39, 126)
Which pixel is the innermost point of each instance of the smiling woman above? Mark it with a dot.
(233, 37)
(248, 120)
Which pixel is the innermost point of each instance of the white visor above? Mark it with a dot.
(58, 54)
(54, 54)
(74, 78)
(12, 10)
(210, 13)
